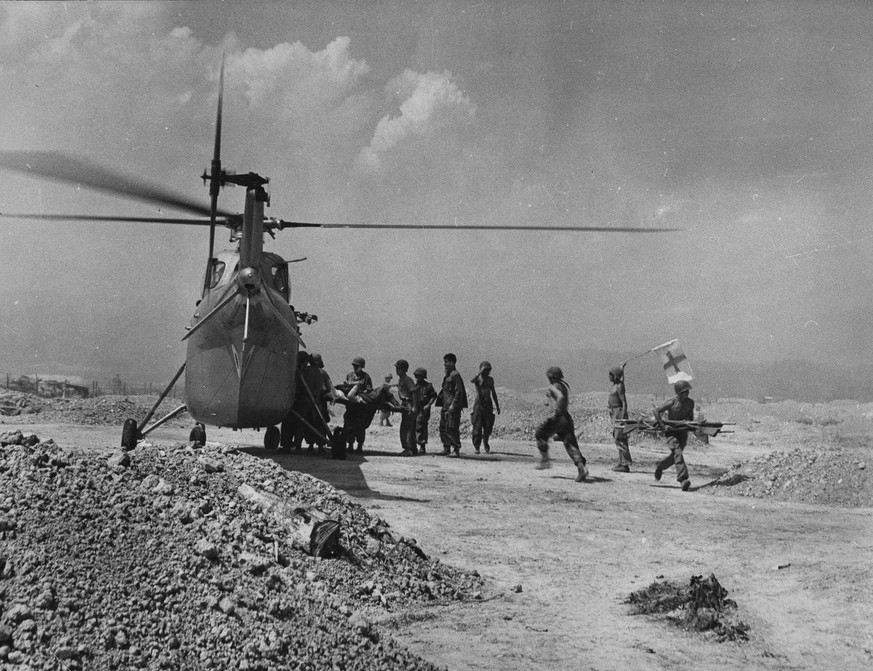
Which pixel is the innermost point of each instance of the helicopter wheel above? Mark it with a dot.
(338, 445)
(198, 435)
(271, 438)
(129, 434)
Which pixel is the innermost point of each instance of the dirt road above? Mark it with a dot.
(577, 550)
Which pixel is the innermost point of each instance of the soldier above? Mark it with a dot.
(408, 394)
(618, 411)
(328, 393)
(355, 422)
(681, 408)
(482, 417)
(385, 415)
(560, 425)
(309, 389)
(427, 396)
(454, 399)
(292, 429)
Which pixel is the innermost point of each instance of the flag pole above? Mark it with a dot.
(637, 356)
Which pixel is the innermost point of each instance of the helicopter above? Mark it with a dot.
(243, 340)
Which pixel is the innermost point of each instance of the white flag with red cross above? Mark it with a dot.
(674, 361)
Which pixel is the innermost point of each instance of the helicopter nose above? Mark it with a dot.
(249, 277)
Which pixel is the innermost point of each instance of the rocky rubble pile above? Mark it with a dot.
(801, 475)
(103, 410)
(152, 559)
(14, 403)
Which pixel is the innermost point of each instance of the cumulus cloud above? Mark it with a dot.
(292, 69)
(431, 102)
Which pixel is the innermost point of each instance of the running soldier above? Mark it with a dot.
(681, 408)
(617, 412)
(454, 399)
(482, 417)
(559, 425)
(427, 396)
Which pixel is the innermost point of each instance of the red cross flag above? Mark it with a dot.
(675, 362)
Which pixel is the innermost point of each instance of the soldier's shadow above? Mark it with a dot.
(590, 480)
(343, 474)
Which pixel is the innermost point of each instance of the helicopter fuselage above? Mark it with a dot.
(241, 365)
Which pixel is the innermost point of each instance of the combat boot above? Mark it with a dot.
(545, 463)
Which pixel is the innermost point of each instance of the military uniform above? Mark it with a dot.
(482, 416)
(617, 405)
(355, 422)
(427, 395)
(559, 425)
(681, 408)
(454, 399)
(408, 395)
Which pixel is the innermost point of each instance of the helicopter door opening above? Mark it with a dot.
(280, 280)
(217, 273)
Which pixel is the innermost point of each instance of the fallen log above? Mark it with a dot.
(311, 530)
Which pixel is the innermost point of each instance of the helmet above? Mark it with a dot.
(555, 372)
(420, 372)
(359, 361)
(484, 366)
(302, 358)
(682, 385)
(402, 364)
(316, 360)
(617, 372)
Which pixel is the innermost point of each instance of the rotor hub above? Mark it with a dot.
(249, 278)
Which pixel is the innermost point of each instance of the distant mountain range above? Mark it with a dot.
(523, 369)
(587, 370)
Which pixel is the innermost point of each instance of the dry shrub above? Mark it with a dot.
(701, 606)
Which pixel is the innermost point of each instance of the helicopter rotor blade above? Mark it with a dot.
(62, 167)
(232, 294)
(282, 224)
(215, 178)
(96, 217)
(292, 328)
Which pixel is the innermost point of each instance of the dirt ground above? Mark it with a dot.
(560, 557)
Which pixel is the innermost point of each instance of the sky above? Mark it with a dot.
(745, 125)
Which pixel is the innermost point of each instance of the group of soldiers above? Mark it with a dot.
(679, 409)
(416, 397)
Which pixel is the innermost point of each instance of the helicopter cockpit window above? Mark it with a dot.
(280, 279)
(217, 272)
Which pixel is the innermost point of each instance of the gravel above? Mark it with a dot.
(802, 475)
(151, 559)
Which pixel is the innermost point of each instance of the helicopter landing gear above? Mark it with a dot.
(272, 436)
(129, 434)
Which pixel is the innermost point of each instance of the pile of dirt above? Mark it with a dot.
(13, 404)
(103, 410)
(152, 559)
(701, 606)
(801, 475)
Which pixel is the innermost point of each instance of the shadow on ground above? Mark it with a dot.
(345, 475)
